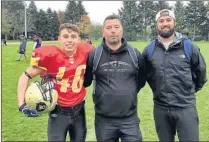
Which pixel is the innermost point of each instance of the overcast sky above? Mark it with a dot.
(97, 10)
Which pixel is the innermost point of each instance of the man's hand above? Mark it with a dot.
(28, 111)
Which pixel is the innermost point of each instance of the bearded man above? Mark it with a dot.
(175, 71)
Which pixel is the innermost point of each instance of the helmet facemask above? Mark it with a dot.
(43, 97)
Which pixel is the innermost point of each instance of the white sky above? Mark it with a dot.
(97, 10)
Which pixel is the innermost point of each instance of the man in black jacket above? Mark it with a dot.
(117, 82)
(174, 79)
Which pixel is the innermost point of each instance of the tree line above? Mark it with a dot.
(45, 24)
(138, 19)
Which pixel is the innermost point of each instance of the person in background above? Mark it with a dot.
(5, 42)
(22, 48)
(37, 42)
(88, 40)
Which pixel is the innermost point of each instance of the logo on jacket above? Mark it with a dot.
(182, 56)
(115, 64)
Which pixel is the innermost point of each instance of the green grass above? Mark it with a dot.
(17, 127)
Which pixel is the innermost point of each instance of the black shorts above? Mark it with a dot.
(21, 51)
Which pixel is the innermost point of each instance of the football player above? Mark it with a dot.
(37, 42)
(22, 48)
(67, 66)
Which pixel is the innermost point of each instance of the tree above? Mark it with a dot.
(60, 16)
(55, 25)
(147, 17)
(180, 16)
(96, 31)
(207, 20)
(15, 16)
(12, 6)
(5, 26)
(160, 5)
(49, 26)
(85, 25)
(129, 18)
(32, 16)
(71, 14)
(17, 23)
(41, 25)
(81, 9)
(195, 18)
(204, 26)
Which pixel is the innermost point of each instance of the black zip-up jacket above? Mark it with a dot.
(172, 77)
(116, 81)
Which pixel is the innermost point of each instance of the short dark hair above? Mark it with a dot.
(111, 17)
(69, 27)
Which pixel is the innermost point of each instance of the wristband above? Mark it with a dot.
(28, 75)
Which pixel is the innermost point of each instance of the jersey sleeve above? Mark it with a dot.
(42, 56)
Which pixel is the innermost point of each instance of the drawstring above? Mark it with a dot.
(117, 64)
(118, 60)
(110, 68)
(108, 72)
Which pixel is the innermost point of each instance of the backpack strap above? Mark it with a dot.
(96, 59)
(135, 60)
(133, 55)
(188, 48)
(150, 49)
(97, 56)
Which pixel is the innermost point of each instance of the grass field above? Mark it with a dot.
(17, 127)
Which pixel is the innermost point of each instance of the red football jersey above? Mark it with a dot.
(69, 71)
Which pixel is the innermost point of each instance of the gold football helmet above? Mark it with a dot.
(43, 98)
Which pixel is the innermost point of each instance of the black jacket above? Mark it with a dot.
(172, 77)
(116, 81)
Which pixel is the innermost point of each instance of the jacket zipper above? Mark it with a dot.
(166, 54)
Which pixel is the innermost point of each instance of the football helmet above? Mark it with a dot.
(43, 98)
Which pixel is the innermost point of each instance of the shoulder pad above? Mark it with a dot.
(85, 47)
(47, 50)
